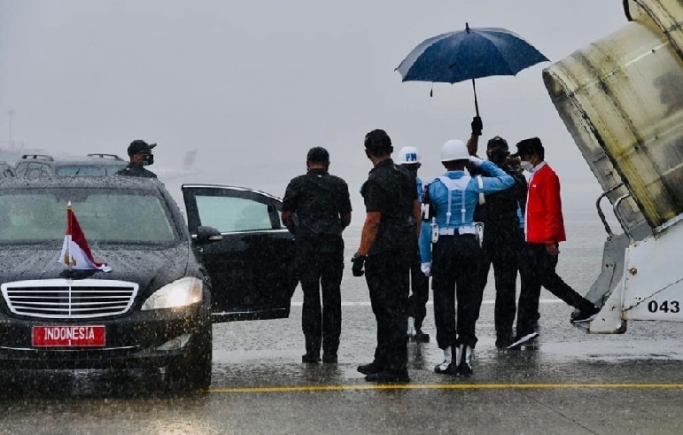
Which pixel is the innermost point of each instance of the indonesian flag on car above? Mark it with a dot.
(75, 250)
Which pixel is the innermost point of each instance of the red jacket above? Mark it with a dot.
(544, 223)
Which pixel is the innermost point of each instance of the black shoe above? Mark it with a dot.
(310, 358)
(464, 354)
(369, 369)
(444, 368)
(523, 339)
(387, 377)
(464, 369)
(503, 341)
(330, 358)
(583, 316)
(420, 337)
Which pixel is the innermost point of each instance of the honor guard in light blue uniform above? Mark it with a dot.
(456, 252)
(409, 158)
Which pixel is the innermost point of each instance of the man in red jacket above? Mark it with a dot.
(544, 230)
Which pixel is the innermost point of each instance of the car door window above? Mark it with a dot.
(230, 214)
(35, 169)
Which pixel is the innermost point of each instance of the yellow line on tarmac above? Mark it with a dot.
(317, 388)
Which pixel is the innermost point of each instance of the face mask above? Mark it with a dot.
(525, 165)
(148, 160)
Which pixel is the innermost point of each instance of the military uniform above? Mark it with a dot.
(136, 170)
(456, 258)
(318, 200)
(419, 282)
(391, 191)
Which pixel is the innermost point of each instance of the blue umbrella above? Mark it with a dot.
(469, 54)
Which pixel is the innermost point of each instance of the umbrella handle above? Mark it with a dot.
(476, 105)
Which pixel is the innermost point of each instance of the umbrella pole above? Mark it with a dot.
(476, 105)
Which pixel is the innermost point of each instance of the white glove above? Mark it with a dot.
(426, 268)
(476, 161)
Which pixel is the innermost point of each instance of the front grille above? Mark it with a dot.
(68, 299)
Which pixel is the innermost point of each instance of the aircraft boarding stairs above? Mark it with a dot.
(621, 98)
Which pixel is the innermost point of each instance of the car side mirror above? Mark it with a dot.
(206, 234)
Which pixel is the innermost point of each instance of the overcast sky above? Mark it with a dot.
(254, 84)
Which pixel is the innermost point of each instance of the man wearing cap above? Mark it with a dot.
(140, 154)
(316, 209)
(544, 231)
(409, 158)
(503, 241)
(387, 247)
(456, 255)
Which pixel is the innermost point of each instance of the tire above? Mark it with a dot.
(195, 372)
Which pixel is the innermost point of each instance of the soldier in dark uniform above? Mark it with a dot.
(316, 209)
(388, 245)
(140, 154)
(503, 240)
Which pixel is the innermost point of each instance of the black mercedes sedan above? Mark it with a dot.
(170, 279)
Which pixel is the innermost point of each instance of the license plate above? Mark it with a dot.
(68, 336)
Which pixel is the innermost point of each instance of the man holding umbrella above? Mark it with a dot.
(503, 241)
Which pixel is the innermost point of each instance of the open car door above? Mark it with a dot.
(251, 268)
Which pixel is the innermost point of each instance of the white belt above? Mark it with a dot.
(461, 230)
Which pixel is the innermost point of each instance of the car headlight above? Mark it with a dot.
(186, 291)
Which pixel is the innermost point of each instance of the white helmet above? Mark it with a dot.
(454, 150)
(407, 156)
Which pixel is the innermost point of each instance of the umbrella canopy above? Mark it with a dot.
(469, 54)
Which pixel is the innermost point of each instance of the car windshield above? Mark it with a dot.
(105, 215)
(89, 170)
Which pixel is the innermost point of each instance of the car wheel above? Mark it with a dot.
(195, 372)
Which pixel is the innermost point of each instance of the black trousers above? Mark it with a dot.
(387, 276)
(537, 269)
(419, 284)
(315, 270)
(455, 269)
(503, 253)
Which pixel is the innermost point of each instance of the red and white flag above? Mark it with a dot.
(75, 250)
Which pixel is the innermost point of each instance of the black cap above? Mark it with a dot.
(497, 142)
(529, 146)
(139, 146)
(378, 142)
(318, 155)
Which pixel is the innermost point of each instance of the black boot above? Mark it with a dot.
(312, 354)
(464, 360)
(310, 358)
(420, 337)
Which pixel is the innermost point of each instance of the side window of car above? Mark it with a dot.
(6, 171)
(230, 214)
(35, 170)
(21, 169)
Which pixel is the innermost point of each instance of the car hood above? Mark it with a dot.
(149, 267)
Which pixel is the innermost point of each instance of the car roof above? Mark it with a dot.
(95, 160)
(150, 185)
(89, 161)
